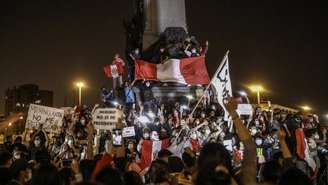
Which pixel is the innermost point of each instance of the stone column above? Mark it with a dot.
(160, 14)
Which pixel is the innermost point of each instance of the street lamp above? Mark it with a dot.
(80, 85)
(306, 108)
(257, 89)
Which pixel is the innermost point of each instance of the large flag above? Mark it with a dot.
(149, 150)
(222, 84)
(186, 71)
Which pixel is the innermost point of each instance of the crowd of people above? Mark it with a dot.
(171, 146)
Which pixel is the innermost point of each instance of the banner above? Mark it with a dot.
(222, 84)
(105, 118)
(50, 118)
(244, 109)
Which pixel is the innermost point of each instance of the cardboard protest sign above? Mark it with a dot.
(244, 109)
(128, 132)
(105, 118)
(50, 118)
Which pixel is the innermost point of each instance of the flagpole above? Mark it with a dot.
(209, 85)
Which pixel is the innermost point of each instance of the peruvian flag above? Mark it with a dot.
(114, 70)
(149, 150)
(186, 71)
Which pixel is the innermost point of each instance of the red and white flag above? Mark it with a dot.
(149, 150)
(191, 71)
(114, 70)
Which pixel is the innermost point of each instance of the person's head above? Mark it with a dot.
(164, 155)
(46, 175)
(294, 176)
(86, 168)
(154, 136)
(131, 146)
(9, 139)
(37, 141)
(109, 176)
(136, 51)
(147, 84)
(188, 160)
(193, 50)
(159, 172)
(20, 170)
(271, 171)
(5, 159)
(18, 140)
(146, 133)
(132, 178)
(175, 164)
(116, 56)
(214, 165)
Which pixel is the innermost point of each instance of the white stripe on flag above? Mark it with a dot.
(169, 71)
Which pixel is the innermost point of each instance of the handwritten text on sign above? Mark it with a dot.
(50, 118)
(105, 118)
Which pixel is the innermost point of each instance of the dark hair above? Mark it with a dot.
(188, 160)
(47, 174)
(294, 176)
(120, 163)
(213, 154)
(18, 139)
(175, 164)
(5, 157)
(109, 176)
(42, 156)
(132, 178)
(159, 171)
(86, 168)
(271, 171)
(164, 153)
(210, 176)
(66, 174)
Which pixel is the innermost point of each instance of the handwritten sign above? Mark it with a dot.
(128, 132)
(244, 109)
(105, 118)
(50, 118)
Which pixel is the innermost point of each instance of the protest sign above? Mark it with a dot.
(128, 132)
(244, 109)
(50, 118)
(105, 118)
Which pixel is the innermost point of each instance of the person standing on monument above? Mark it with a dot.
(118, 77)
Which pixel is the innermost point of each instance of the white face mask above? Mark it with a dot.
(107, 148)
(70, 143)
(253, 131)
(146, 135)
(316, 136)
(17, 155)
(258, 142)
(193, 136)
(82, 121)
(197, 122)
(207, 131)
(37, 142)
(154, 136)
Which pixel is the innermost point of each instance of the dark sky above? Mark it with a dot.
(281, 45)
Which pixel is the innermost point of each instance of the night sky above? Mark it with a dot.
(278, 44)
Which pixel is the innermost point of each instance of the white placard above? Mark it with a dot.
(244, 109)
(50, 118)
(105, 118)
(228, 144)
(128, 132)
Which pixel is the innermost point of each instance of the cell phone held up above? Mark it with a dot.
(117, 137)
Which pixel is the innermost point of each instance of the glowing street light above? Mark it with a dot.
(80, 85)
(257, 89)
(306, 108)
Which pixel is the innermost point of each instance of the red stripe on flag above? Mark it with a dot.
(145, 70)
(194, 70)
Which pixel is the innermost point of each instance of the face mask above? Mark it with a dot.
(197, 122)
(154, 136)
(17, 155)
(253, 131)
(203, 115)
(146, 135)
(316, 136)
(82, 121)
(258, 142)
(37, 143)
(193, 136)
(207, 131)
(130, 146)
(70, 142)
(193, 51)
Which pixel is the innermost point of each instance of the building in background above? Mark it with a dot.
(17, 99)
